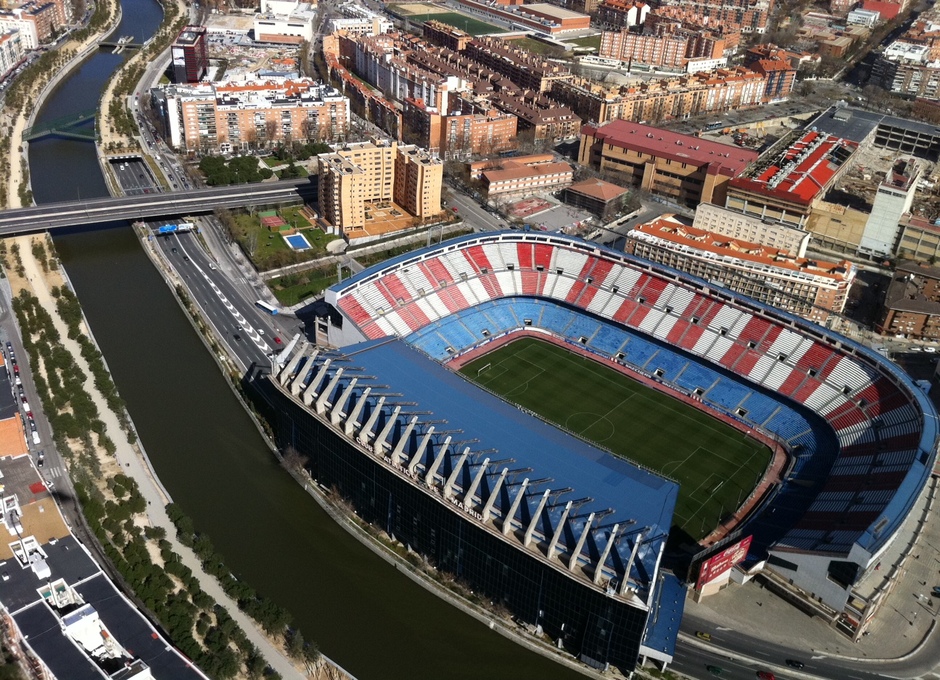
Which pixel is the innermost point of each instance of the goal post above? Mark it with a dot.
(482, 368)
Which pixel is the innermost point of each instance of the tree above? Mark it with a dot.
(295, 645)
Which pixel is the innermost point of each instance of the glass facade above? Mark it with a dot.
(599, 629)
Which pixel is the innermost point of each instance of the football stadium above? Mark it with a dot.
(550, 422)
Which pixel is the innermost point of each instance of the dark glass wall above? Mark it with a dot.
(598, 628)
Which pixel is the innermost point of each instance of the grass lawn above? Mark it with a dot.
(293, 217)
(294, 288)
(268, 250)
(715, 465)
(301, 171)
(271, 161)
(590, 41)
(467, 24)
(537, 47)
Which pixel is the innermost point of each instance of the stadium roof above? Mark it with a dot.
(857, 125)
(632, 492)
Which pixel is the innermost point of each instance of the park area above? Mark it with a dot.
(715, 465)
(261, 236)
(419, 13)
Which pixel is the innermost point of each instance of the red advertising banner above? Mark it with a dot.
(721, 562)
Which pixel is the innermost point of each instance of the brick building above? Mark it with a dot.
(521, 174)
(621, 13)
(471, 129)
(443, 35)
(686, 169)
(912, 303)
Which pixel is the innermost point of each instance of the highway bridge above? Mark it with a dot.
(59, 215)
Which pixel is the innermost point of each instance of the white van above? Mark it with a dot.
(35, 437)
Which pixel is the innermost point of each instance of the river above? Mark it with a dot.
(361, 611)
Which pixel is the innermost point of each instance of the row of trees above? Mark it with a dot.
(239, 170)
(273, 618)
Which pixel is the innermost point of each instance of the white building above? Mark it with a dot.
(893, 199)
(703, 64)
(863, 17)
(11, 51)
(13, 20)
(284, 22)
(734, 224)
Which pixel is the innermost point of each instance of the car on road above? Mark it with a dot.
(237, 336)
(793, 663)
(277, 340)
(766, 675)
(186, 257)
(714, 670)
(174, 250)
(454, 208)
(703, 636)
(260, 331)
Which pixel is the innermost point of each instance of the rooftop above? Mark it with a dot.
(666, 144)
(669, 228)
(802, 171)
(598, 188)
(552, 10)
(906, 290)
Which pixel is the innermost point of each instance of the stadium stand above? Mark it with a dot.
(673, 321)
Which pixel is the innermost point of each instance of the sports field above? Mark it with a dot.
(715, 465)
(418, 14)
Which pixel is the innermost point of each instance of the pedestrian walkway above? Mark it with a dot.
(134, 465)
(908, 571)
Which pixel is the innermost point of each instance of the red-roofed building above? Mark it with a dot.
(888, 10)
(779, 77)
(597, 196)
(787, 187)
(684, 168)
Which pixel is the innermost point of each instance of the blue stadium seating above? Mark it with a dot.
(556, 319)
(609, 339)
(638, 351)
(696, 376)
(668, 362)
(760, 407)
(727, 394)
(787, 424)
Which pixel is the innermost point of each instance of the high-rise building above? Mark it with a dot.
(190, 61)
(377, 172)
(893, 199)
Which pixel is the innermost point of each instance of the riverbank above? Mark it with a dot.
(70, 55)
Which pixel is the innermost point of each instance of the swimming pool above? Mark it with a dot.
(298, 242)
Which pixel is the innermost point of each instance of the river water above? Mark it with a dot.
(361, 611)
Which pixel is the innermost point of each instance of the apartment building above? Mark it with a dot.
(719, 220)
(441, 34)
(685, 169)
(666, 45)
(521, 174)
(912, 303)
(740, 16)
(471, 129)
(920, 239)
(358, 174)
(541, 17)
(667, 99)
(11, 52)
(621, 13)
(813, 289)
(213, 116)
(787, 187)
(358, 20)
(525, 69)
(35, 21)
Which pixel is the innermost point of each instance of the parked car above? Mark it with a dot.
(793, 663)
(703, 636)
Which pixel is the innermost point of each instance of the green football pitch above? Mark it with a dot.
(716, 466)
(466, 24)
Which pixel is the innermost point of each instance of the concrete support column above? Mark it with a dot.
(320, 406)
(625, 582)
(558, 531)
(494, 494)
(379, 447)
(353, 418)
(535, 518)
(507, 518)
(599, 569)
(429, 475)
(573, 558)
(475, 484)
(337, 413)
(288, 370)
(314, 385)
(365, 434)
(403, 441)
(422, 447)
(449, 484)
